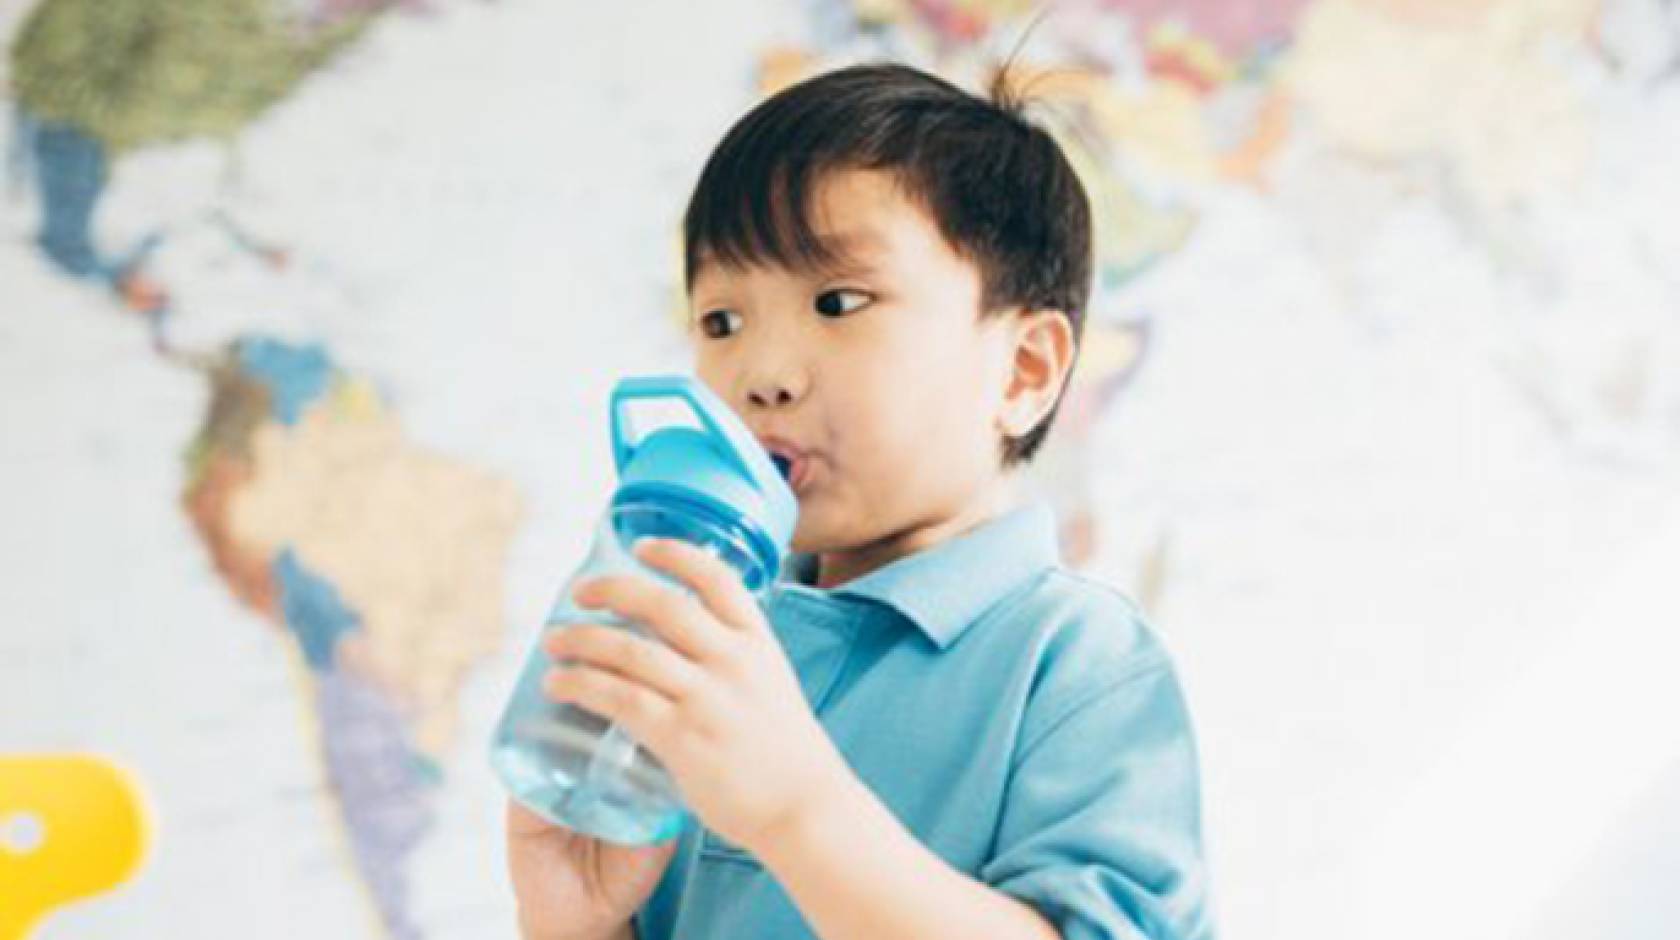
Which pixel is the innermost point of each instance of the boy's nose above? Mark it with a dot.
(775, 376)
(776, 386)
(770, 395)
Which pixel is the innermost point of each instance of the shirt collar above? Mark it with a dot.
(946, 587)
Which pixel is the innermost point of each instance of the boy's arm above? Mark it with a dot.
(856, 873)
(1108, 839)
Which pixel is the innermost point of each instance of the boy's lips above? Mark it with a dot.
(793, 461)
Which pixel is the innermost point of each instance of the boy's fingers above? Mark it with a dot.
(643, 661)
(679, 620)
(718, 586)
(523, 822)
(641, 711)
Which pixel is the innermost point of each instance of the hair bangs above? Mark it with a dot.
(755, 203)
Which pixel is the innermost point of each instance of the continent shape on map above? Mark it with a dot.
(1470, 84)
(382, 561)
(97, 79)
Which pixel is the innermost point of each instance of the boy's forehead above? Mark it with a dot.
(866, 204)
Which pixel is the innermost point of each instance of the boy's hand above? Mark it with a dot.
(720, 705)
(572, 887)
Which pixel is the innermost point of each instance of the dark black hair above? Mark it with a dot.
(998, 187)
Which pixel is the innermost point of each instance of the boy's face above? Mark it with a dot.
(879, 378)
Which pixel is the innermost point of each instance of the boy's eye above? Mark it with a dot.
(839, 302)
(718, 324)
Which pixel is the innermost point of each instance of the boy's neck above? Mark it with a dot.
(838, 567)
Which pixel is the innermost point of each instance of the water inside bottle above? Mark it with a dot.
(574, 767)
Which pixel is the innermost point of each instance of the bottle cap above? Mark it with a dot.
(715, 461)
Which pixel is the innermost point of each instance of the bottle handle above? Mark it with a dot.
(738, 444)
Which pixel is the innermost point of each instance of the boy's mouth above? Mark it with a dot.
(793, 464)
(797, 472)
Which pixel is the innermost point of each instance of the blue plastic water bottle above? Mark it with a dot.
(712, 485)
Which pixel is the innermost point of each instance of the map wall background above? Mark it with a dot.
(1380, 415)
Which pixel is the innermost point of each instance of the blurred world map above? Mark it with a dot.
(308, 311)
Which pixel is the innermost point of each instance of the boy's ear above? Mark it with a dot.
(1041, 359)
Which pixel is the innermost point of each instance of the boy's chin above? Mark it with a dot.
(810, 536)
(815, 536)
(801, 544)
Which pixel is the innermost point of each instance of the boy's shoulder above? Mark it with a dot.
(1081, 636)
(1068, 612)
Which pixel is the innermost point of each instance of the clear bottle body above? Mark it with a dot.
(571, 766)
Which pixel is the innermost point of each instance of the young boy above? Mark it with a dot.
(934, 730)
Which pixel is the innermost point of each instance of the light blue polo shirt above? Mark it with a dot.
(1019, 719)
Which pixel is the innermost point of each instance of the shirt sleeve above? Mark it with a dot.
(1101, 826)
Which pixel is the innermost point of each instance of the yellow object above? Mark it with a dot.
(71, 826)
